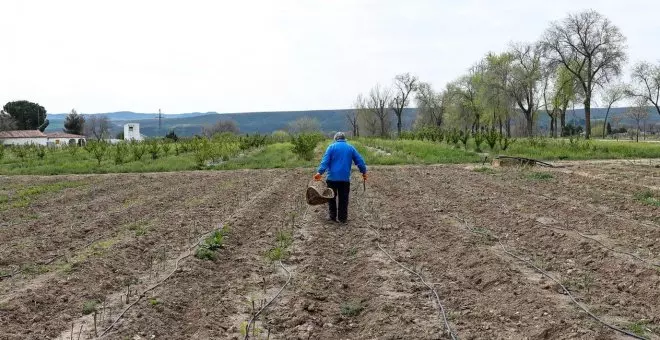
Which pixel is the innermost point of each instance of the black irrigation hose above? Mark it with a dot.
(256, 315)
(431, 288)
(441, 308)
(607, 247)
(566, 291)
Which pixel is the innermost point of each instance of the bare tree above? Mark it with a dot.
(646, 83)
(612, 94)
(304, 125)
(430, 105)
(377, 103)
(7, 122)
(639, 112)
(222, 126)
(353, 116)
(404, 85)
(591, 48)
(525, 80)
(97, 126)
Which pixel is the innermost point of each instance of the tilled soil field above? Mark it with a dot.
(436, 252)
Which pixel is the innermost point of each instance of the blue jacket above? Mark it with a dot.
(338, 159)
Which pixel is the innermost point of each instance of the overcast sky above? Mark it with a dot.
(235, 56)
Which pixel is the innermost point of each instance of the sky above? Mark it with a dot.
(264, 55)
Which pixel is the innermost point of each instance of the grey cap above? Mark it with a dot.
(340, 136)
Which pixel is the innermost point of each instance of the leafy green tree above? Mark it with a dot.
(74, 123)
(28, 115)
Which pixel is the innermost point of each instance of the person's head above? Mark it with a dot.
(340, 136)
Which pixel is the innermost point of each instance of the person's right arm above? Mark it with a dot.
(325, 161)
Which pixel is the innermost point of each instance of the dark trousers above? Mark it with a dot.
(341, 189)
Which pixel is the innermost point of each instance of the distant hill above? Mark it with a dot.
(189, 124)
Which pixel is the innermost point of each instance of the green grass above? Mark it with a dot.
(484, 170)
(565, 149)
(59, 162)
(648, 197)
(421, 152)
(278, 155)
(24, 196)
(639, 327)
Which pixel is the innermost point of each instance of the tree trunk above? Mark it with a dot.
(530, 123)
(508, 127)
(382, 127)
(607, 113)
(398, 123)
(587, 117)
(552, 126)
(500, 126)
(562, 118)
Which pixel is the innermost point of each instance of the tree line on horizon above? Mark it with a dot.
(575, 60)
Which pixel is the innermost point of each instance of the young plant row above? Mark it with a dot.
(492, 138)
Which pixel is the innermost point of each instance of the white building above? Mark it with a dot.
(132, 132)
(36, 137)
(23, 137)
(62, 139)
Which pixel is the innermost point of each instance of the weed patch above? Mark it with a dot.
(639, 328)
(89, 307)
(351, 308)
(648, 197)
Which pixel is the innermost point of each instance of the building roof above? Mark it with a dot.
(63, 135)
(22, 134)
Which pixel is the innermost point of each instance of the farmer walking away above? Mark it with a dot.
(337, 161)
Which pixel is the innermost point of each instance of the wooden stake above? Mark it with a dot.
(96, 333)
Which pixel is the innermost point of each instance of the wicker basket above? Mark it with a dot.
(319, 194)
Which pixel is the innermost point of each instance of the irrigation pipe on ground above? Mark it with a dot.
(256, 315)
(566, 291)
(605, 246)
(440, 307)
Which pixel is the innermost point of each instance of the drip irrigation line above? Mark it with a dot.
(654, 264)
(441, 309)
(176, 267)
(565, 290)
(619, 251)
(256, 315)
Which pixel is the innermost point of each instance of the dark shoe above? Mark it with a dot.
(332, 219)
(343, 222)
